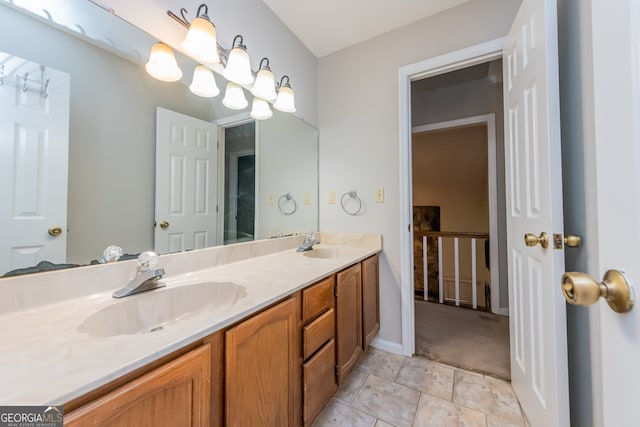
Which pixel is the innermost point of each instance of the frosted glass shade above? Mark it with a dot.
(284, 101)
(260, 109)
(162, 63)
(265, 85)
(234, 97)
(203, 83)
(238, 69)
(201, 41)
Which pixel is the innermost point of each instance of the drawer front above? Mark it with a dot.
(318, 332)
(319, 381)
(317, 299)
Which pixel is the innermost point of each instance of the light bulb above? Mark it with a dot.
(162, 63)
(204, 84)
(260, 109)
(234, 97)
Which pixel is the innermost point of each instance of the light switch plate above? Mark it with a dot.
(307, 198)
(271, 199)
(380, 195)
(332, 197)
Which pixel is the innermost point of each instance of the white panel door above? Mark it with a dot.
(612, 236)
(186, 182)
(34, 157)
(534, 205)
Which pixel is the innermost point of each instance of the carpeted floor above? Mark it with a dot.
(469, 339)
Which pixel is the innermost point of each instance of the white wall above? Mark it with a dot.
(359, 133)
(263, 32)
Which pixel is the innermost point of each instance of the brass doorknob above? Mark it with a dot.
(572, 241)
(164, 224)
(532, 240)
(55, 231)
(581, 289)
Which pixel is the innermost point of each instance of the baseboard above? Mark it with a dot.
(385, 345)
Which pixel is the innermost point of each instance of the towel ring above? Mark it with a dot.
(287, 198)
(353, 194)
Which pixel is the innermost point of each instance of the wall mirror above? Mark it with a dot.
(111, 140)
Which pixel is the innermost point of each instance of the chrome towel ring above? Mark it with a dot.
(353, 194)
(283, 200)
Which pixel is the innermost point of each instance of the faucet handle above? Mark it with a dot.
(148, 261)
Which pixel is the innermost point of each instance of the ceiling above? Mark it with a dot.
(326, 26)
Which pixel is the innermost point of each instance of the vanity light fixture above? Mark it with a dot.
(201, 40)
(265, 84)
(238, 69)
(201, 44)
(260, 109)
(204, 83)
(234, 97)
(285, 101)
(162, 64)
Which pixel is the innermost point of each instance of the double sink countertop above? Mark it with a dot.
(50, 353)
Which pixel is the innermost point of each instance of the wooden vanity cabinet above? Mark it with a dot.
(175, 394)
(318, 348)
(348, 320)
(262, 364)
(370, 300)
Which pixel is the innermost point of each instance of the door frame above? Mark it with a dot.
(223, 124)
(452, 61)
(488, 120)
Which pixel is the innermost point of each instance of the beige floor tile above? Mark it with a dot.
(493, 421)
(338, 414)
(390, 402)
(487, 394)
(422, 375)
(352, 385)
(381, 364)
(381, 423)
(434, 412)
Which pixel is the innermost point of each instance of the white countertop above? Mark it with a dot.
(44, 359)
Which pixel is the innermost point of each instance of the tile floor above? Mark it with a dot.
(390, 390)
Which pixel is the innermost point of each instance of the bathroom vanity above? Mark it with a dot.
(272, 352)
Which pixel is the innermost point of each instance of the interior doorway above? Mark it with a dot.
(456, 170)
(240, 183)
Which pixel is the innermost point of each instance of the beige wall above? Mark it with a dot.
(359, 133)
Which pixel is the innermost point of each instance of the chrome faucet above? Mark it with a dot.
(146, 278)
(309, 241)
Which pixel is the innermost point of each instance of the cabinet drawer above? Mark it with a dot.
(317, 299)
(318, 332)
(319, 381)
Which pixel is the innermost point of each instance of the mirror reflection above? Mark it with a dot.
(106, 193)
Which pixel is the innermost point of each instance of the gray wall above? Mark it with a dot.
(465, 100)
(112, 135)
(574, 41)
(359, 131)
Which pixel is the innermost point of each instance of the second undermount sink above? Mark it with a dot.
(152, 311)
(331, 252)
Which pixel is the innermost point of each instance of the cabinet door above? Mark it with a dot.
(263, 369)
(370, 300)
(348, 319)
(176, 394)
(319, 381)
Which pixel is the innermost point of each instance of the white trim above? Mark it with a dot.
(389, 346)
(437, 65)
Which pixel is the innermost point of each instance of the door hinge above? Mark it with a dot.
(217, 145)
(216, 208)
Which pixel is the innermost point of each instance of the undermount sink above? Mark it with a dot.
(330, 252)
(152, 311)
